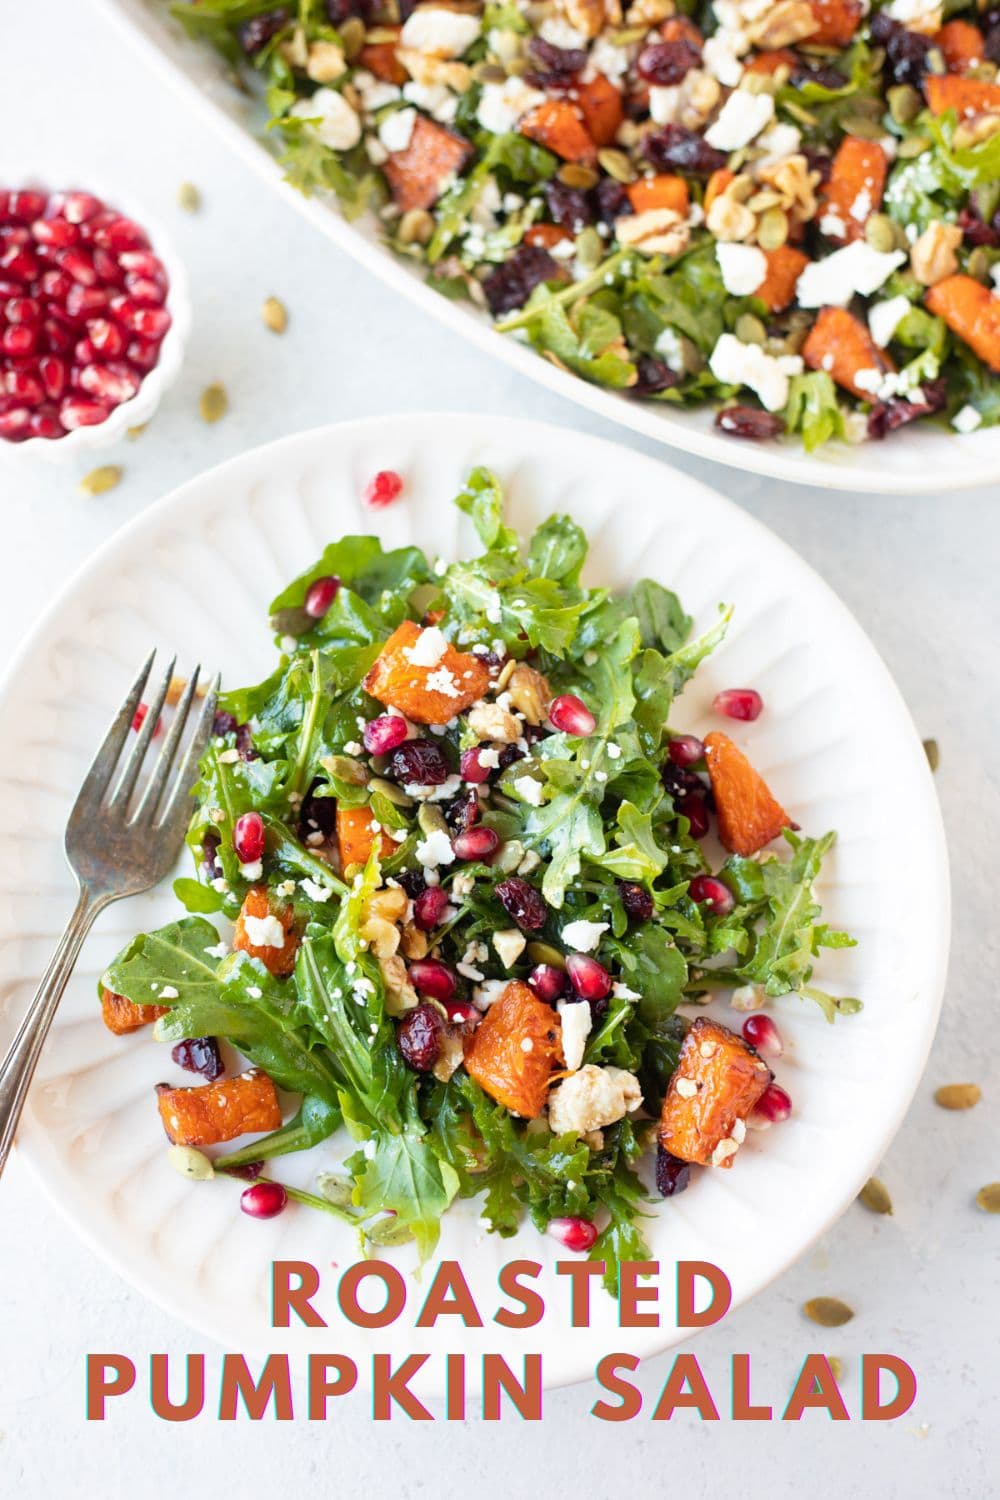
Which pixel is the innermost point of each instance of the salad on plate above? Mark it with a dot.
(468, 873)
(787, 209)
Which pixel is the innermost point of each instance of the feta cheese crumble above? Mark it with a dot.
(501, 105)
(743, 267)
(435, 850)
(577, 1019)
(439, 33)
(741, 118)
(265, 932)
(336, 124)
(766, 375)
(583, 936)
(967, 419)
(428, 649)
(591, 1098)
(885, 317)
(857, 268)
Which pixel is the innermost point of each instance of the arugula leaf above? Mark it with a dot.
(663, 623)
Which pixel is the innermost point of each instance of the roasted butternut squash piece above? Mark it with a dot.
(840, 344)
(515, 1050)
(784, 267)
(425, 694)
(211, 1113)
(546, 235)
(418, 175)
(717, 184)
(122, 1016)
(682, 29)
(854, 188)
(836, 21)
(557, 126)
(602, 108)
(355, 836)
(972, 312)
(748, 816)
(966, 96)
(267, 932)
(768, 63)
(718, 1080)
(962, 45)
(663, 191)
(380, 58)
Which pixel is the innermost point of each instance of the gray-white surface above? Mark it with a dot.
(922, 578)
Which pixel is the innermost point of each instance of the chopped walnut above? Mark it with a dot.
(699, 95)
(590, 16)
(400, 995)
(973, 131)
(792, 178)
(414, 943)
(783, 25)
(491, 722)
(529, 693)
(658, 231)
(325, 62)
(451, 1054)
(728, 217)
(649, 12)
(389, 902)
(381, 936)
(426, 69)
(932, 256)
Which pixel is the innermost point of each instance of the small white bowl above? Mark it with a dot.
(140, 407)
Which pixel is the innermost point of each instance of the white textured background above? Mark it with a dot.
(921, 576)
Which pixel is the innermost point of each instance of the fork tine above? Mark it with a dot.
(165, 760)
(133, 765)
(102, 768)
(177, 801)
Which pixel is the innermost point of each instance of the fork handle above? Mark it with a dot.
(18, 1066)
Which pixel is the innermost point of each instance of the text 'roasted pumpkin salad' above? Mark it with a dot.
(787, 208)
(462, 851)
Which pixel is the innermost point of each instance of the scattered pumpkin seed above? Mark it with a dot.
(837, 1366)
(188, 198)
(190, 1163)
(979, 265)
(416, 227)
(958, 1095)
(346, 768)
(510, 856)
(589, 249)
(99, 481)
(988, 1198)
(627, 35)
(544, 953)
(352, 36)
(214, 402)
(388, 1231)
(390, 791)
(750, 330)
(574, 174)
(772, 229)
(875, 1196)
(336, 1188)
(431, 819)
(880, 232)
(828, 1312)
(617, 165)
(932, 753)
(912, 145)
(904, 103)
(867, 129)
(134, 432)
(275, 314)
(488, 72)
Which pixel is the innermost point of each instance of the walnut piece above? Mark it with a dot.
(658, 231)
(649, 12)
(591, 16)
(932, 256)
(400, 995)
(491, 722)
(529, 692)
(792, 178)
(783, 25)
(325, 62)
(424, 68)
(728, 217)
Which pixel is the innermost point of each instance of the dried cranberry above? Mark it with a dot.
(826, 77)
(991, 40)
(654, 376)
(611, 200)
(887, 416)
(199, 1054)
(419, 763)
(508, 755)
(464, 812)
(749, 422)
(570, 207)
(258, 31)
(244, 742)
(522, 902)
(413, 883)
(976, 230)
(209, 849)
(680, 781)
(672, 1174)
(558, 60)
(223, 723)
(905, 51)
(249, 1171)
(317, 814)
(684, 150)
(667, 63)
(637, 901)
(818, 160)
(418, 1037)
(510, 285)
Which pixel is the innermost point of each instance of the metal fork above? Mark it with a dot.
(117, 845)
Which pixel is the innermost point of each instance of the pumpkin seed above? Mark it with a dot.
(912, 145)
(958, 1095)
(416, 227)
(979, 264)
(750, 330)
(932, 752)
(510, 856)
(99, 481)
(867, 129)
(379, 35)
(134, 432)
(627, 35)
(879, 232)
(431, 819)
(346, 768)
(214, 402)
(617, 164)
(837, 1366)
(875, 1196)
(988, 1198)
(275, 314)
(544, 953)
(188, 198)
(190, 1163)
(352, 36)
(828, 1312)
(772, 229)
(904, 103)
(336, 1188)
(574, 174)
(589, 249)
(388, 1231)
(291, 621)
(390, 791)
(488, 72)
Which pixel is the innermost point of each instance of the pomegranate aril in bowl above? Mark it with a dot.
(762, 1034)
(739, 703)
(91, 317)
(710, 890)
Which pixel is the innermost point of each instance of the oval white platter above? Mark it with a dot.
(921, 460)
(195, 574)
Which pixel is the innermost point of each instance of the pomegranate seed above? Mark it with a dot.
(384, 734)
(320, 595)
(762, 1034)
(430, 977)
(429, 908)
(19, 340)
(144, 291)
(773, 1106)
(695, 809)
(672, 1174)
(462, 1013)
(476, 843)
(199, 1054)
(106, 337)
(77, 208)
(149, 322)
(108, 268)
(386, 487)
(547, 981)
(570, 715)
(112, 383)
(143, 263)
(85, 301)
(120, 235)
(57, 338)
(143, 354)
(22, 310)
(79, 265)
(249, 837)
(25, 205)
(140, 719)
(522, 902)
(572, 1233)
(76, 413)
(739, 703)
(418, 1037)
(19, 263)
(686, 750)
(24, 387)
(590, 979)
(84, 353)
(56, 285)
(44, 425)
(14, 424)
(718, 895)
(637, 901)
(55, 232)
(472, 768)
(264, 1200)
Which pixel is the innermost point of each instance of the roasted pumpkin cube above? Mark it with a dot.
(962, 43)
(214, 1112)
(380, 58)
(854, 189)
(718, 1080)
(966, 96)
(972, 312)
(515, 1050)
(748, 816)
(665, 190)
(426, 694)
(769, 62)
(557, 126)
(122, 1015)
(784, 267)
(603, 112)
(836, 22)
(355, 837)
(419, 174)
(841, 344)
(267, 932)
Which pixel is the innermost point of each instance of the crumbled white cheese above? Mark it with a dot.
(440, 33)
(396, 129)
(501, 105)
(622, 992)
(766, 375)
(885, 317)
(743, 267)
(168, 992)
(917, 15)
(252, 870)
(664, 104)
(435, 850)
(741, 118)
(560, 33)
(834, 280)
(315, 891)
(375, 92)
(591, 1098)
(228, 757)
(577, 1019)
(778, 142)
(668, 346)
(607, 58)
(721, 57)
(529, 790)
(485, 994)
(509, 944)
(967, 419)
(218, 950)
(428, 649)
(436, 98)
(352, 747)
(264, 932)
(337, 124)
(442, 793)
(749, 996)
(583, 936)
(862, 206)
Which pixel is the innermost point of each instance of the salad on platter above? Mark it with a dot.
(469, 874)
(789, 209)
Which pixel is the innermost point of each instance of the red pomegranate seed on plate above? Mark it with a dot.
(19, 263)
(773, 1106)
(429, 908)
(590, 979)
(739, 703)
(386, 487)
(19, 340)
(572, 1233)
(384, 734)
(718, 895)
(686, 750)
(319, 596)
(249, 837)
(77, 208)
(761, 1032)
(140, 719)
(472, 768)
(25, 205)
(547, 981)
(476, 843)
(430, 977)
(57, 233)
(264, 1200)
(570, 715)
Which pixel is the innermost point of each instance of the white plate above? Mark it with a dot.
(923, 460)
(195, 573)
